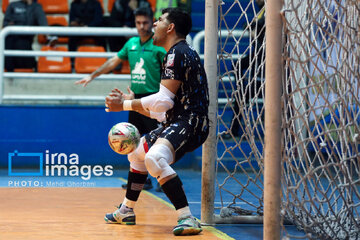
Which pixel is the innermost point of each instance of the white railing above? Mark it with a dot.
(74, 31)
(58, 31)
(199, 37)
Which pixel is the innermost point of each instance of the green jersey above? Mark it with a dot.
(145, 63)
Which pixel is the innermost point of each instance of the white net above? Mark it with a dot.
(241, 115)
(321, 116)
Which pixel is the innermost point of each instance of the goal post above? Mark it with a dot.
(209, 147)
(273, 143)
(306, 135)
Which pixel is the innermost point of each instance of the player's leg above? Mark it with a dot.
(144, 125)
(136, 180)
(158, 161)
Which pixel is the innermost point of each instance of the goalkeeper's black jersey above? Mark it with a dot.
(192, 99)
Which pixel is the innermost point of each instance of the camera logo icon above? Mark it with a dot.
(17, 161)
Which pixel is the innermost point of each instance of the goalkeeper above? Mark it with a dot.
(182, 105)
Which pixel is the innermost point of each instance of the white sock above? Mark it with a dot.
(127, 205)
(184, 212)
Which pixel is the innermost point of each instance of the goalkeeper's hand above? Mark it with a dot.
(129, 96)
(114, 101)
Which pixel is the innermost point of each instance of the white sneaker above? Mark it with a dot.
(187, 226)
(120, 218)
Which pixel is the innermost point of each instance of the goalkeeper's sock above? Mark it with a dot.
(135, 184)
(174, 191)
(124, 208)
(183, 212)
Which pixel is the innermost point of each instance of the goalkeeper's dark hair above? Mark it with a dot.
(181, 20)
(144, 11)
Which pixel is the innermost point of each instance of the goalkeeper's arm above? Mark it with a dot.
(153, 106)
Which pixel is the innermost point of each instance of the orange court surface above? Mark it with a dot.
(77, 213)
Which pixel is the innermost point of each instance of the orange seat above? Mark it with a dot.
(110, 5)
(87, 41)
(152, 4)
(54, 21)
(54, 64)
(88, 65)
(102, 5)
(5, 3)
(54, 6)
(125, 68)
(23, 70)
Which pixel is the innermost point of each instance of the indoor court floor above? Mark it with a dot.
(70, 208)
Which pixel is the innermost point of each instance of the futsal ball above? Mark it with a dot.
(123, 138)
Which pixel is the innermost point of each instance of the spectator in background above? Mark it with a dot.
(22, 13)
(85, 13)
(122, 15)
(184, 5)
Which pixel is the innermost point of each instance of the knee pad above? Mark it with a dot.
(136, 158)
(158, 160)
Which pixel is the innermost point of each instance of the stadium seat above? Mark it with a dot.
(88, 65)
(55, 6)
(102, 5)
(87, 41)
(54, 21)
(110, 5)
(23, 70)
(152, 4)
(5, 3)
(125, 68)
(54, 64)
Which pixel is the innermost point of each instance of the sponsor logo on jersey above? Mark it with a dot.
(139, 73)
(170, 60)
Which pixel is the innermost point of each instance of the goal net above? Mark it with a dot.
(320, 116)
(240, 137)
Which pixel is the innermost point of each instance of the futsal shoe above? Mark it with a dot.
(121, 218)
(187, 226)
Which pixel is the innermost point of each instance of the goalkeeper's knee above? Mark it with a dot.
(158, 160)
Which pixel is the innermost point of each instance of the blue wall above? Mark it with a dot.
(64, 129)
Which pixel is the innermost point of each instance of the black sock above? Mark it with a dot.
(175, 192)
(135, 184)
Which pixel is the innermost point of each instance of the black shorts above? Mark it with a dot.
(185, 135)
(142, 123)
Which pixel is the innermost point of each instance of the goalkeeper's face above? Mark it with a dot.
(143, 25)
(161, 27)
